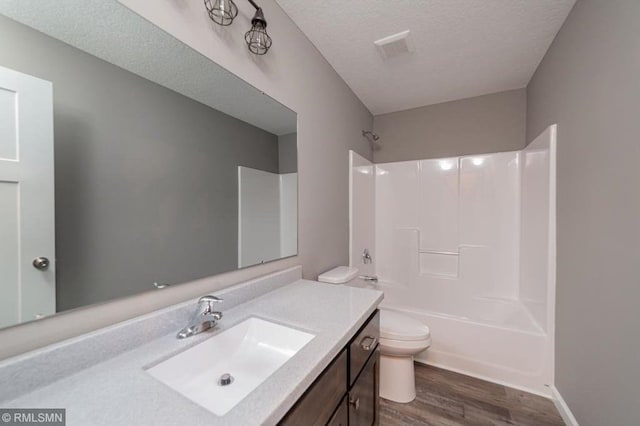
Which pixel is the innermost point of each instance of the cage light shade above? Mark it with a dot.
(222, 12)
(258, 41)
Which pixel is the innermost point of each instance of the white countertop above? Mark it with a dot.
(118, 391)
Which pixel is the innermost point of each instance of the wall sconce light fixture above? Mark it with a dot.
(258, 41)
(223, 12)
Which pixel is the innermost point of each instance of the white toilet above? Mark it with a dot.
(401, 337)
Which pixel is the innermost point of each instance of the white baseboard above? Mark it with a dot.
(563, 408)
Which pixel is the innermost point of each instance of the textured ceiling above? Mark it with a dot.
(110, 31)
(463, 48)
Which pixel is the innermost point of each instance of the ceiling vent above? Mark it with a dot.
(395, 45)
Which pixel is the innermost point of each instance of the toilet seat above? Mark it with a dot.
(395, 326)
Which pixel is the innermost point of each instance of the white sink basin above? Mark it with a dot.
(250, 352)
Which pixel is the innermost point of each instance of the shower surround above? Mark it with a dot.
(467, 245)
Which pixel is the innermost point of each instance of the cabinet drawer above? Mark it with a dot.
(319, 402)
(363, 345)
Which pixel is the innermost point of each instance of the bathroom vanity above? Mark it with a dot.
(346, 393)
(104, 377)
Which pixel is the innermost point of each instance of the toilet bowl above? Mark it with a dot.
(401, 337)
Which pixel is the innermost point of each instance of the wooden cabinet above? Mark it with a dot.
(363, 345)
(363, 395)
(346, 392)
(319, 402)
(341, 416)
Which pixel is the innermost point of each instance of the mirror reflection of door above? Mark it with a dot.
(27, 258)
(267, 207)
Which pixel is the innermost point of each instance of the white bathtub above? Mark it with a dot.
(496, 340)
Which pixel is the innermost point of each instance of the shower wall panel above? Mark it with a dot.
(397, 207)
(463, 214)
(490, 218)
(538, 227)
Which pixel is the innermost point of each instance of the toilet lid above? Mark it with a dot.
(396, 326)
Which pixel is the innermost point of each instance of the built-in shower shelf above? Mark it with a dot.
(442, 264)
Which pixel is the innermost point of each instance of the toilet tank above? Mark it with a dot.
(339, 275)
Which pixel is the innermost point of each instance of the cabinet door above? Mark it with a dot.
(321, 399)
(341, 416)
(363, 396)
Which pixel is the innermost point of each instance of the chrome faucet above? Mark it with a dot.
(366, 257)
(204, 318)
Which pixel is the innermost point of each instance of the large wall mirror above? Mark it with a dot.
(129, 161)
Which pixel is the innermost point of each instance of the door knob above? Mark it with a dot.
(160, 286)
(41, 263)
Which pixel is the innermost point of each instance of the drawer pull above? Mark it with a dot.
(371, 343)
(355, 403)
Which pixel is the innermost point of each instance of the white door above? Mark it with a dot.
(26, 198)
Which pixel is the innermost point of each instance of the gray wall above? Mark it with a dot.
(146, 179)
(483, 124)
(588, 83)
(288, 153)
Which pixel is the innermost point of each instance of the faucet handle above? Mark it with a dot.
(210, 299)
(205, 303)
(366, 256)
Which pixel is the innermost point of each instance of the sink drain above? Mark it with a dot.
(225, 380)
